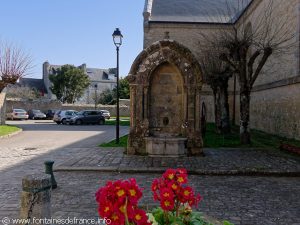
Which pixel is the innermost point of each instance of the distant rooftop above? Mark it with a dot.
(95, 74)
(195, 11)
(99, 74)
(33, 83)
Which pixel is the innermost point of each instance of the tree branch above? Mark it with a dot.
(251, 63)
(224, 58)
(267, 52)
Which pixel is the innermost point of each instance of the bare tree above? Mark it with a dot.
(14, 64)
(23, 92)
(216, 74)
(248, 45)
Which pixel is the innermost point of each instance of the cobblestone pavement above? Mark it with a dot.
(26, 152)
(245, 200)
(242, 200)
(216, 161)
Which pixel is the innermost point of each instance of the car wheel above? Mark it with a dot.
(64, 121)
(101, 122)
(78, 122)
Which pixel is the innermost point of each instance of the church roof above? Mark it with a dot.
(195, 11)
(99, 74)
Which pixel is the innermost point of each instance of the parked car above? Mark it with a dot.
(35, 114)
(62, 116)
(50, 114)
(106, 114)
(88, 117)
(19, 114)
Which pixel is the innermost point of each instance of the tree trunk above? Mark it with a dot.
(224, 108)
(218, 120)
(245, 117)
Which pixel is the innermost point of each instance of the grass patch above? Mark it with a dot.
(259, 139)
(213, 140)
(121, 117)
(113, 122)
(6, 129)
(123, 143)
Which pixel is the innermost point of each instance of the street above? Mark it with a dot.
(45, 140)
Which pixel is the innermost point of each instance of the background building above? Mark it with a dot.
(101, 80)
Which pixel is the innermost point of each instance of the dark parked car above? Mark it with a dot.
(50, 114)
(88, 117)
(35, 114)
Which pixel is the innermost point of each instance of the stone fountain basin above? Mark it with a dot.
(166, 146)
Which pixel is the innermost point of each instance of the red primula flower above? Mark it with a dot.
(174, 186)
(117, 219)
(106, 209)
(181, 171)
(167, 204)
(195, 200)
(140, 217)
(171, 190)
(169, 174)
(166, 193)
(118, 202)
(154, 186)
(181, 178)
(134, 192)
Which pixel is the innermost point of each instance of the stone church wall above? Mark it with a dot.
(275, 111)
(275, 101)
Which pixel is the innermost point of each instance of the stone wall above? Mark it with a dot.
(275, 111)
(2, 107)
(45, 105)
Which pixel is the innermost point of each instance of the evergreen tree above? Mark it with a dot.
(69, 83)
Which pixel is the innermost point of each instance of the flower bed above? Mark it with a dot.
(118, 202)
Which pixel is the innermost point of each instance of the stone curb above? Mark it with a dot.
(191, 172)
(12, 134)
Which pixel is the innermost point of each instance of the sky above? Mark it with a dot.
(73, 31)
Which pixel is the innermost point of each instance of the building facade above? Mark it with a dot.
(100, 80)
(275, 98)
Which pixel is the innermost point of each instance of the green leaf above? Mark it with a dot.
(225, 222)
(177, 223)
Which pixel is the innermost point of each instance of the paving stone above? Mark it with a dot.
(216, 161)
(253, 200)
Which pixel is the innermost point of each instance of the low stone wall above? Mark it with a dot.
(125, 102)
(44, 105)
(2, 107)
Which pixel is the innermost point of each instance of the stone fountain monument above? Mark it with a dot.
(165, 83)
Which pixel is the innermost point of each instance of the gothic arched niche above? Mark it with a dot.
(165, 83)
(166, 113)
